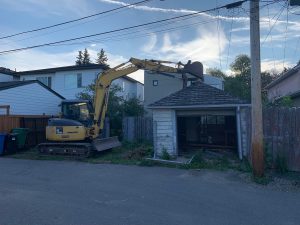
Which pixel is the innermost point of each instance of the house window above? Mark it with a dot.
(79, 80)
(45, 80)
(155, 82)
(73, 80)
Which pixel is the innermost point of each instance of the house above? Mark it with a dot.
(159, 85)
(200, 116)
(68, 81)
(7, 75)
(286, 85)
(29, 98)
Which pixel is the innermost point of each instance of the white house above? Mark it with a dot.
(29, 98)
(68, 81)
(7, 75)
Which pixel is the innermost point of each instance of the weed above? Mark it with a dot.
(281, 163)
(165, 154)
(262, 180)
(245, 166)
(268, 157)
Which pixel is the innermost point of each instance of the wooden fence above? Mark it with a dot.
(137, 129)
(282, 136)
(35, 124)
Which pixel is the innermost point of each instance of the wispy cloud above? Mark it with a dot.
(203, 47)
(178, 11)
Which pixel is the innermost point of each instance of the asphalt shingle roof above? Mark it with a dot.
(196, 95)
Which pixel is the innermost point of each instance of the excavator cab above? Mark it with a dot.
(79, 110)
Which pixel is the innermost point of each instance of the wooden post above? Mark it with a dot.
(257, 125)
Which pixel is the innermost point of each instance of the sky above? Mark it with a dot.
(214, 38)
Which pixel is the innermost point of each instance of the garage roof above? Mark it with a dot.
(197, 95)
(13, 84)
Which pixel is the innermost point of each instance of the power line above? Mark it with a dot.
(120, 29)
(230, 37)
(286, 30)
(271, 39)
(125, 37)
(218, 30)
(72, 21)
(66, 28)
(279, 14)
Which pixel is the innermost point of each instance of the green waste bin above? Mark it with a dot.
(21, 136)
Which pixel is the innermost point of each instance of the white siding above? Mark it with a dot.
(128, 87)
(165, 137)
(88, 77)
(30, 99)
(5, 77)
(140, 91)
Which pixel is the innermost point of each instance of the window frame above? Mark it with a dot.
(154, 83)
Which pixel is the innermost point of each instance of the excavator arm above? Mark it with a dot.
(105, 79)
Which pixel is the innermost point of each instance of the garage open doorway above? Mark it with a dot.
(206, 131)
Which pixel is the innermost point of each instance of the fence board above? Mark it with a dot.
(137, 129)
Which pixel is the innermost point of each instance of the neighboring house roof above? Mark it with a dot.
(6, 71)
(197, 95)
(287, 74)
(63, 68)
(68, 68)
(13, 84)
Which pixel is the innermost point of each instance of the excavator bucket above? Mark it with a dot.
(102, 144)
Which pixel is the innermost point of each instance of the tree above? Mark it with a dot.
(241, 65)
(117, 108)
(215, 72)
(86, 57)
(102, 58)
(240, 84)
(133, 107)
(79, 58)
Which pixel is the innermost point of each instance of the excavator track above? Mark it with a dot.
(73, 149)
(78, 149)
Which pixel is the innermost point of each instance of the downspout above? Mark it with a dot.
(238, 124)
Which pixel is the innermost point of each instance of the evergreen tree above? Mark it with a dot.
(86, 57)
(79, 58)
(102, 58)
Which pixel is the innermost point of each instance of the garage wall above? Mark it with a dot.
(30, 99)
(164, 131)
(245, 131)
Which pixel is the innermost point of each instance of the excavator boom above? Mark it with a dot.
(63, 131)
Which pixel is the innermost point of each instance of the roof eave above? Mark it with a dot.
(199, 106)
(283, 77)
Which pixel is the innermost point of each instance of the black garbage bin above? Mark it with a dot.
(11, 143)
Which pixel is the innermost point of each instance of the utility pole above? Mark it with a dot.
(256, 109)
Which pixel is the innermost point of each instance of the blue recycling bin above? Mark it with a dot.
(2, 140)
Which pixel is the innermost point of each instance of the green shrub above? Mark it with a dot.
(165, 155)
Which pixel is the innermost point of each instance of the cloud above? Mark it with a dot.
(42, 7)
(203, 47)
(178, 11)
(40, 59)
(271, 65)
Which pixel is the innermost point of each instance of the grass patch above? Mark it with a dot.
(265, 180)
(128, 153)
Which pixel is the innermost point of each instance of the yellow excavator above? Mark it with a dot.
(77, 132)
